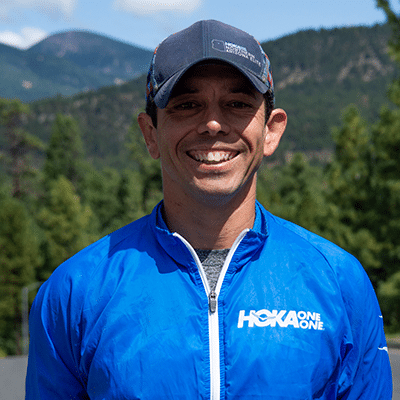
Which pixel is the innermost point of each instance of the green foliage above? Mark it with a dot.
(19, 257)
(394, 22)
(11, 111)
(65, 151)
(100, 193)
(67, 225)
(114, 197)
(297, 194)
(118, 198)
(386, 186)
(389, 300)
(350, 186)
(104, 120)
(150, 179)
(353, 201)
(19, 147)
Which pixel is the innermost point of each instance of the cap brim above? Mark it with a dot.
(164, 92)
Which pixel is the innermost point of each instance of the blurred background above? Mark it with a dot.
(73, 166)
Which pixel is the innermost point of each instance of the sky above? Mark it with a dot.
(146, 23)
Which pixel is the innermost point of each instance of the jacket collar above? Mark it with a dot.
(175, 248)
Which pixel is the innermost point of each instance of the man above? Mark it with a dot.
(210, 296)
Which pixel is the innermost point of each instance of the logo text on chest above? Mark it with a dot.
(282, 318)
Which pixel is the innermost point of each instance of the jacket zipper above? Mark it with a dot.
(212, 301)
(213, 321)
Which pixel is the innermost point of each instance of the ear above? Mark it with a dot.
(275, 127)
(149, 133)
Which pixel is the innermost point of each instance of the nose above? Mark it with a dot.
(214, 122)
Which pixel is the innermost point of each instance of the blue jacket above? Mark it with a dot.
(131, 317)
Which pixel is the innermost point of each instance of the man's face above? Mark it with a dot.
(211, 136)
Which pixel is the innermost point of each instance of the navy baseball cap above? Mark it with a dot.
(200, 42)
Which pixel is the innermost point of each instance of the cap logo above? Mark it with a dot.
(232, 48)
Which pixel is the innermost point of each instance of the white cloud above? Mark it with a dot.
(53, 8)
(144, 7)
(26, 38)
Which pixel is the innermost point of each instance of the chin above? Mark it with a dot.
(214, 196)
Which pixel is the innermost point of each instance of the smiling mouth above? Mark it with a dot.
(212, 157)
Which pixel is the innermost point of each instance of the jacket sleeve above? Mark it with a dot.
(366, 374)
(53, 363)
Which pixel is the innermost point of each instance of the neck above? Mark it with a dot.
(210, 224)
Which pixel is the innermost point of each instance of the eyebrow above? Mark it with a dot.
(246, 89)
(182, 90)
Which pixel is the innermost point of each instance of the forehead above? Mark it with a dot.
(216, 74)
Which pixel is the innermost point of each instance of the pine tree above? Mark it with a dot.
(350, 195)
(148, 168)
(295, 192)
(386, 136)
(394, 22)
(389, 300)
(67, 225)
(19, 259)
(386, 186)
(20, 145)
(65, 154)
(101, 194)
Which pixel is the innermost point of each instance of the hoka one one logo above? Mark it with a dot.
(283, 318)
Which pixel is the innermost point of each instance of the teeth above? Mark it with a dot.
(212, 157)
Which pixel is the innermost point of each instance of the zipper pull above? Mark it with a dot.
(212, 301)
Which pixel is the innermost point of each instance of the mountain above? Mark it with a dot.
(68, 63)
(317, 74)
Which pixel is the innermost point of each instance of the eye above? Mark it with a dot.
(239, 104)
(187, 105)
